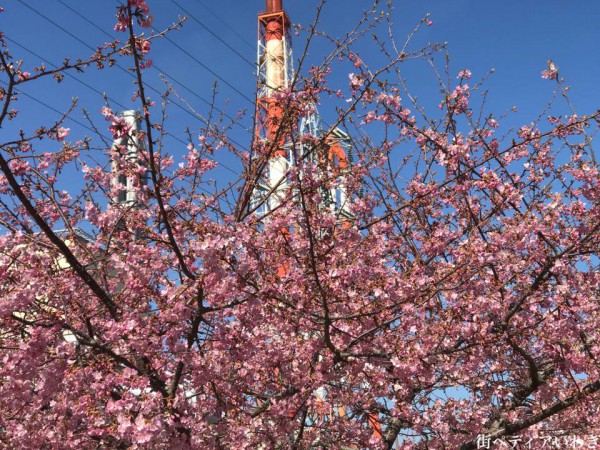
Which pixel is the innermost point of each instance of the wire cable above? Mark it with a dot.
(224, 22)
(123, 107)
(37, 100)
(171, 77)
(45, 61)
(201, 64)
(250, 63)
(166, 37)
(164, 72)
(130, 74)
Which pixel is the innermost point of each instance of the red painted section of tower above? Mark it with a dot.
(274, 6)
(274, 30)
(337, 157)
(273, 27)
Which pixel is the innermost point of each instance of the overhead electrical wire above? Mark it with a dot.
(166, 37)
(201, 64)
(171, 77)
(156, 66)
(130, 74)
(89, 46)
(226, 24)
(37, 100)
(123, 107)
(54, 66)
(189, 14)
(67, 116)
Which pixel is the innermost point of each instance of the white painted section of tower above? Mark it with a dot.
(132, 119)
(278, 167)
(275, 77)
(275, 72)
(128, 195)
(343, 196)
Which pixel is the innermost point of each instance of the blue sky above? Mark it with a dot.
(514, 37)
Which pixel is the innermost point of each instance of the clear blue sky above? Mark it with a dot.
(514, 37)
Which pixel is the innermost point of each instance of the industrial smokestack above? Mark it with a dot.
(132, 147)
(273, 73)
(274, 6)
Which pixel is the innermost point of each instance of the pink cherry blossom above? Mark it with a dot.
(437, 288)
(551, 73)
(62, 133)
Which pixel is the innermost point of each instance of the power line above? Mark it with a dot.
(94, 50)
(224, 22)
(106, 138)
(207, 68)
(210, 104)
(45, 61)
(123, 107)
(250, 63)
(37, 100)
(129, 73)
(164, 72)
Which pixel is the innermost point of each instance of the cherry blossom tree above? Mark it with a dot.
(457, 304)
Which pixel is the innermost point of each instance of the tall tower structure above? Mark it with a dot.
(272, 133)
(278, 142)
(131, 143)
(274, 128)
